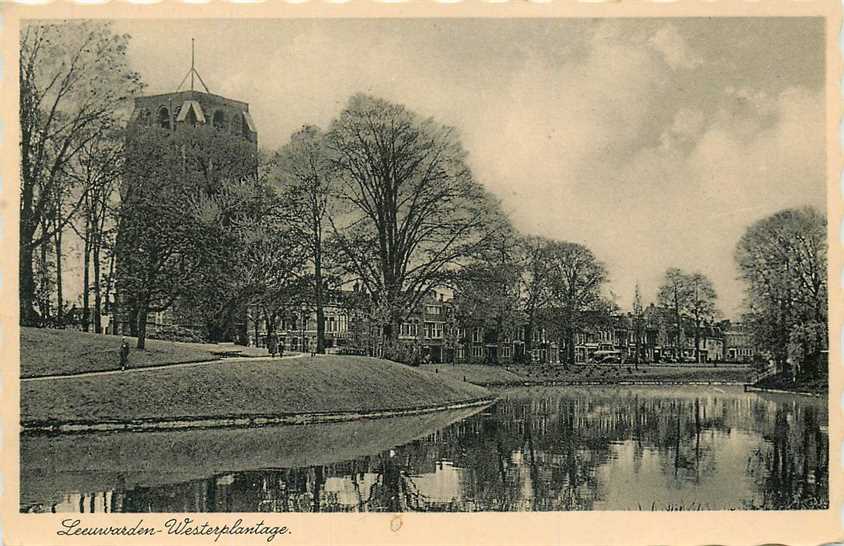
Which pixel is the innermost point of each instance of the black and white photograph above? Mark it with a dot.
(424, 265)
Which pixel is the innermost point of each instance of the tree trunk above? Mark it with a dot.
(320, 311)
(678, 349)
(26, 281)
(45, 279)
(98, 302)
(26, 291)
(86, 257)
(132, 316)
(570, 358)
(142, 325)
(528, 341)
(697, 341)
(59, 291)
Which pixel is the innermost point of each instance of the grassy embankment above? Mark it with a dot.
(51, 352)
(57, 352)
(322, 384)
(604, 374)
(783, 382)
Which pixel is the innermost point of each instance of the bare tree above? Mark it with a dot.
(96, 169)
(412, 212)
(638, 324)
(303, 168)
(535, 289)
(75, 83)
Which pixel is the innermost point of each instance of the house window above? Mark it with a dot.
(409, 329)
(477, 335)
(433, 330)
(477, 351)
(506, 351)
(432, 309)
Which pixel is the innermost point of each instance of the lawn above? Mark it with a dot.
(501, 375)
(242, 388)
(50, 352)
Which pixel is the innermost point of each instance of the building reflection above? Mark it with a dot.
(540, 450)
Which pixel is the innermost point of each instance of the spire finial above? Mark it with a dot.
(193, 72)
(192, 61)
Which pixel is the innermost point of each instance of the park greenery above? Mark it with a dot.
(198, 223)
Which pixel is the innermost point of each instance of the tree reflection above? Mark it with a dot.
(541, 450)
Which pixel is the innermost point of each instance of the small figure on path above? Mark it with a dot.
(124, 354)
(272, 345)
(280, 349)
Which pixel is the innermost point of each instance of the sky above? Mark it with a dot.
(654, 142)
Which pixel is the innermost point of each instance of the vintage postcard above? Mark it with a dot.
(421, 273)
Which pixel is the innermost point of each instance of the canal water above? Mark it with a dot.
(538, 448)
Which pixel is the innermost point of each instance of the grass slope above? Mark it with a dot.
(302, 385)
(50, 352)
(783, 382)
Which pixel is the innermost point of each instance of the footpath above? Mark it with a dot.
(159, 367)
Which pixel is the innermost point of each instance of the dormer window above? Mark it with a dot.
(191, 113)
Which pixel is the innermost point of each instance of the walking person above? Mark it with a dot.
(124, 354)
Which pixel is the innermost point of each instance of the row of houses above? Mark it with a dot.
(436, 331)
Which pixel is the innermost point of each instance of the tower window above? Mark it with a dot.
(164, 117)
(145, 118)
(219, 119)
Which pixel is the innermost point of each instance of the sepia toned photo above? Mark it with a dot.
(271, 266)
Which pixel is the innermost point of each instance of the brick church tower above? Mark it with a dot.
(227, 128)
(191, 108)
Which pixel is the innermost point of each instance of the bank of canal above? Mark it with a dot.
(534, 449)
(237, 393)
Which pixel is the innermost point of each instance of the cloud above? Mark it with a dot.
(674, 49)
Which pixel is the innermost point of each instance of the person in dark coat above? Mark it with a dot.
(124, 354)
(272, 345)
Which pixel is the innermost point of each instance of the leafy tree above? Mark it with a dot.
(412, 211)
(487, 291)
(75, 84)
(576, 278)
(165, 256)
(154, 258)
(783, 260)
(246, 224)
(692, 297)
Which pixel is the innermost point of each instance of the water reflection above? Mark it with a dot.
(536, 449)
